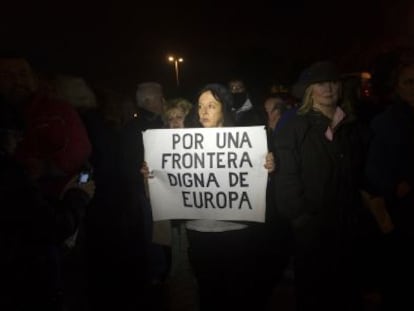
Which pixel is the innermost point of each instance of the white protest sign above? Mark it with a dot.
(207, 173)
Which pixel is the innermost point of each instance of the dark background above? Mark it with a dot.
(121, 43)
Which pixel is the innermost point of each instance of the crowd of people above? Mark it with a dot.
(339, 196)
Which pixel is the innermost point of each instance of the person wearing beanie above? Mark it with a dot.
(320, 157)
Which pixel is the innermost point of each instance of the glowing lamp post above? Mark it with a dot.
(176, 60)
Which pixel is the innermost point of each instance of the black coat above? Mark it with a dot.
(391, 161)
(317, 179)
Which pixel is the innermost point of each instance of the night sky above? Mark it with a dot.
(121, 43)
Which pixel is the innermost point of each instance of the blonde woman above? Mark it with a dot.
(175, 112)
(320, 160)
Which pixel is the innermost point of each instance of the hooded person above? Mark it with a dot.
(242, 107)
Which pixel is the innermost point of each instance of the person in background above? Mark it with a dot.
(359, 97)
(76, 91)
(34, 226)
(150, 102)
(243, 110)
(172, 233)
(148, 115)
(320, 155)
(54, 144)
(54, 135)
(149, 108)
(115, 245)
(390, 174)
(278, 111)
(175, 112)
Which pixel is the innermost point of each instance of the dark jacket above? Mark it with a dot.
(316, 178)
(392, 149)
(391, 161)
(30, 217)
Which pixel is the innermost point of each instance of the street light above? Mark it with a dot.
(176, 60)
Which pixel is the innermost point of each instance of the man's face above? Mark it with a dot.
(155, 104)
(17, 81)
(237, 86)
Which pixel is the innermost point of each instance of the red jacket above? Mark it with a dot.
(54, 132)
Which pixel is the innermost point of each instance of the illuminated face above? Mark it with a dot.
(210, 110)
(405, 85)
(175, 118)
(17, 81)
(325, 94)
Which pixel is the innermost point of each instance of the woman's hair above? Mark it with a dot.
(177, 103)
(307, 100)
(224, 97)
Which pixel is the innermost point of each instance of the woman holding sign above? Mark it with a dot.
(225, 254)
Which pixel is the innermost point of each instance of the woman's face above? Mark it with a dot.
(175, 118)
(405, 85)
(210, 110)
(325, 94)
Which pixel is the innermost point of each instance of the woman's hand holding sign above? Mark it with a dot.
(145, 171)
